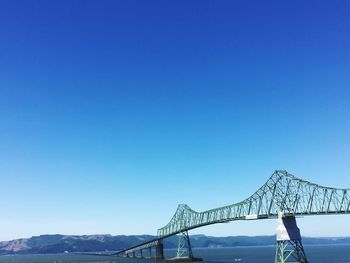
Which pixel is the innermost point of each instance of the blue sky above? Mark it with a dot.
(113, 112)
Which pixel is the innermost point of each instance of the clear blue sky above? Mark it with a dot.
(113, 112)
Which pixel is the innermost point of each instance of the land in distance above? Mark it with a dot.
(45, 244)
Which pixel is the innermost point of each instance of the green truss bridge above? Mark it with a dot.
(283, 196)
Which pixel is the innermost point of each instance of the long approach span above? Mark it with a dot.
(283, 193)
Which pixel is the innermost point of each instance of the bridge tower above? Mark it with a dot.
(184, 245)
(289, 247)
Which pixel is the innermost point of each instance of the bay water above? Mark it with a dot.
(266, 254)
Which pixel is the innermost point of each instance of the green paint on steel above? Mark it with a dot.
(290, 252)
(282, 192)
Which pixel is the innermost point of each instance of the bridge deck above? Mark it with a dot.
(147, 244)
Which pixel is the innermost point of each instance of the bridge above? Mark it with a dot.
(283, 196)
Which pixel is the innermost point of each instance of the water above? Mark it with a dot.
(315, 254)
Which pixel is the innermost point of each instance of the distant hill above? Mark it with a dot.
(96, 243)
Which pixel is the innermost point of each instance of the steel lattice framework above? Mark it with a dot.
(282, 192)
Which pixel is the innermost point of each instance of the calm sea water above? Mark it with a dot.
(315, 254)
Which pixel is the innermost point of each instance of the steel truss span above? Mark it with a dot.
(283, 192)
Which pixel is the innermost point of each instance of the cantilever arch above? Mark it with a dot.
(289, 246)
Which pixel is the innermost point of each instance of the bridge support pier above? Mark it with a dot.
(184, 245)
(159, 250)
(289, 247)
